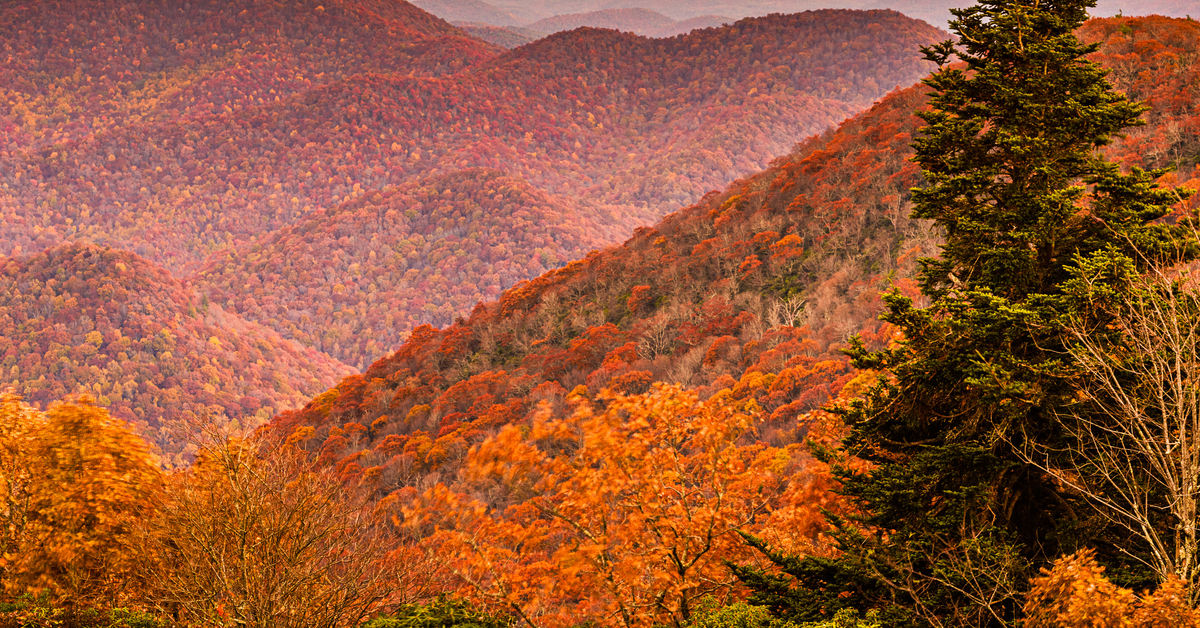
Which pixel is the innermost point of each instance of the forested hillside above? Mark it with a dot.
(802, 250)
(83, 67)
(675, 155)
(632, 127)
(748, 294)
(80, 319)
(759, 284)
(708, 425)
(351, 281)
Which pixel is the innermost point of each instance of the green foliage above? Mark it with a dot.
(848, 618)
(743, 615)
(737, 615)
(440, 613)
(954, 523)
(38, 612)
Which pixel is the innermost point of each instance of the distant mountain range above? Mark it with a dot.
(640, 21)
(210, 148)
(527, 12)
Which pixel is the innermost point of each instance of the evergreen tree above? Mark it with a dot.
(954, 524)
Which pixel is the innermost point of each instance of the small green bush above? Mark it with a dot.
(30, 612)
(739, 615)
(743, 615)
(440, 613)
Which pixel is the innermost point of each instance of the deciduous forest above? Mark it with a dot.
(335, 316)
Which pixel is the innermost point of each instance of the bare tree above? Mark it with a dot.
(790, 311)
(657, 340)
(1135, 439)
(255, 534)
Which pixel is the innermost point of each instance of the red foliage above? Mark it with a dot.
(82, 319)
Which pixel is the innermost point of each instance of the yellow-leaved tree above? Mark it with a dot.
(256, 534)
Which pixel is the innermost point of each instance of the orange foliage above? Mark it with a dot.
(260, 533)
(77, 482)
(621, 513)
(1075, 594)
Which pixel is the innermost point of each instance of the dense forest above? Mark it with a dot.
(934, 366)
(84, 319)
(771, 276)
(657, 121)
(199, 160)
(353, 280)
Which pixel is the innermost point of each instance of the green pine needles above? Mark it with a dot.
(954, 521)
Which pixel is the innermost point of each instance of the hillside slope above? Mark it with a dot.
(84, 319)
(80, 67)
(753, 289)
(351, 281)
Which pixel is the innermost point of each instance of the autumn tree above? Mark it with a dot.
(955, 521)
(257, 534)
(1074, 593)
(76, 483)
(623, 512)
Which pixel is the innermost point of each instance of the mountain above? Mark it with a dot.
(752, 290)
(352, 280)
(692, 23)
(507, 37)
(635, 124)
(468, 11)
(79, 68)
(85, 319)
(936, 13)
(624, 126)
(641, 21)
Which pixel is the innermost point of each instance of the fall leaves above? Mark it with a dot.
(75, 482)
(623, 511)
(253, 533)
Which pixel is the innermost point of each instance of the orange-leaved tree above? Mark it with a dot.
(76, 481)
(1075, 594)
(623, 512)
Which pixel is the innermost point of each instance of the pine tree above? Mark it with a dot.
(954, 523)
